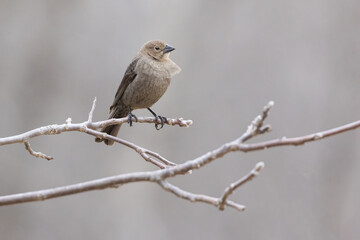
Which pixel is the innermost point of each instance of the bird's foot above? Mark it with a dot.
(162, 120)
(130, 116)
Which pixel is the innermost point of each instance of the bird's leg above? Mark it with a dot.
(130, 116)
(162, 119)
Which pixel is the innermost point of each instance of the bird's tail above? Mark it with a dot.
(117, 112)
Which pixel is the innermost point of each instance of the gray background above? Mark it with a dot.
(56, 56)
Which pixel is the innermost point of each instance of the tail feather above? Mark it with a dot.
(113, 130)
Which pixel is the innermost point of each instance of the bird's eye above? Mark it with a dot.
(157, 48)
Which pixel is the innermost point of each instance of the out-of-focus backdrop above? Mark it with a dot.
(56, 56)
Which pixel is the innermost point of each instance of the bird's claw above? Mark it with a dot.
(162, 120)
(130, 121)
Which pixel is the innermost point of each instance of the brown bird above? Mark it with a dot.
(145, 81)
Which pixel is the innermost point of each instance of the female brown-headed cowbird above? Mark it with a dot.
(144, 82)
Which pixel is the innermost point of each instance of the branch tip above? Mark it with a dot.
(92, 111)
(36, 154)
(259, 166)
(270, 104)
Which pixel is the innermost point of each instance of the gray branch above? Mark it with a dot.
(90, 127)
(168, 169)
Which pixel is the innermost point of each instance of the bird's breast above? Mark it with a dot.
(149, 85)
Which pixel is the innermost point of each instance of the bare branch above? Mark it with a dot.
(36, 154)
(98, 184)
(88, 127)
(256, 127)
(297, 140)
(229, 190)
(91, 113)
(159, 160)
(197, 197)
(114, 121)
(168, 169)
(81, 127)
(164, 173)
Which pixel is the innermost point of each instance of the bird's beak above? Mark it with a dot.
(168, 49)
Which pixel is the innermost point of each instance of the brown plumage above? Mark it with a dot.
(145, 81)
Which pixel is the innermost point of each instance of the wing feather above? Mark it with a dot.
(129, 76)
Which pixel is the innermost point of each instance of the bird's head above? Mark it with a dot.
(157, 50)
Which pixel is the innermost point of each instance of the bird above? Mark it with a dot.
(143, 84)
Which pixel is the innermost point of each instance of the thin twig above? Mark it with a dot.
(36, 154)
(144, 153)
(256, 126)
(198, 197)
(295, 141)
(91, 113)
(159, 157)
(229, 190)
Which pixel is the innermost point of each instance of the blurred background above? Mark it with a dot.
(56, 56)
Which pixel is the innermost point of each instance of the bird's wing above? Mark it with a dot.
(129, 76)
